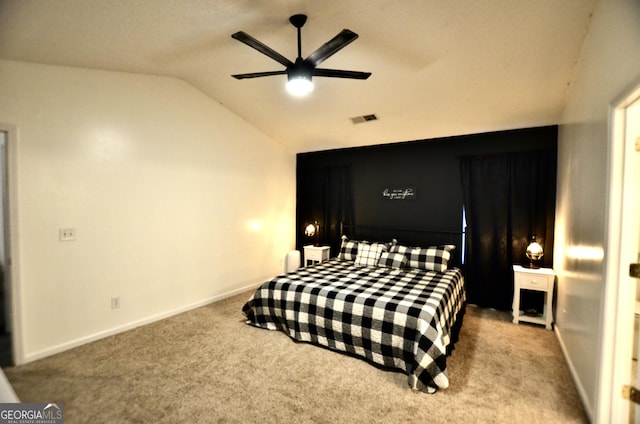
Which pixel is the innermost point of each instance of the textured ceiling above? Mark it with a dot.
(440, 68)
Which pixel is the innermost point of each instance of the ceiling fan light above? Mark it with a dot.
(299, 86)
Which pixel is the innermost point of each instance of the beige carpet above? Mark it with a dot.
(207, 366)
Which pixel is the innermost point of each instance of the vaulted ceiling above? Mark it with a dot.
(439, 68)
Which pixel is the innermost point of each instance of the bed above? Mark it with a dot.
(397, 306)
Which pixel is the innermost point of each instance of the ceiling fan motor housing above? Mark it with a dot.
(300, 69)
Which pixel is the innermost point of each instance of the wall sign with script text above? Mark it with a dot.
(400, 193)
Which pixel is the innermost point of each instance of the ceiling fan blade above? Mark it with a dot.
(331, 47)
(259, 74)
(262, 48)
(336, 73)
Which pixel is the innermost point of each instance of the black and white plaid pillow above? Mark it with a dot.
(369, 254)
(390, 244)
(348, 249)
(392, 260)
(398, 248)
(434, 258)
(430, 258)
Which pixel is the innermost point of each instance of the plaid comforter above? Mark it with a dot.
(401, 319)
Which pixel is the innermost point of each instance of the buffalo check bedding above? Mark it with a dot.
(397, 318)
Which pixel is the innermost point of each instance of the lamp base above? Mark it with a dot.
(531, 265)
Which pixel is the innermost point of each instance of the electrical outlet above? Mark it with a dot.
(115, 302)
(67, 234)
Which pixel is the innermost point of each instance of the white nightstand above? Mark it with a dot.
(315, 254)
(538, 279)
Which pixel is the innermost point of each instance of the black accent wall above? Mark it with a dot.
(430, 166)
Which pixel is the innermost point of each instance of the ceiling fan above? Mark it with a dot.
(299, 73)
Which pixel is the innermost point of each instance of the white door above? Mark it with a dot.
(6, 280)
(629, 281)
(632, 134)
(6, 351)
(617, 368)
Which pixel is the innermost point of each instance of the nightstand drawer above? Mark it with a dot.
(533, 282)
(313, 254)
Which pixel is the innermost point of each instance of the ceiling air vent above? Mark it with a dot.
(364, 118)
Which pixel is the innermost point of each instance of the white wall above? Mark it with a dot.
(609, 64)
(175, 200)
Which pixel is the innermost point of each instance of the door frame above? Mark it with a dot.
(622, 232)
(12, 242)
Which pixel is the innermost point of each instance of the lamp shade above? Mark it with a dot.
(310, 230)
(534, 252)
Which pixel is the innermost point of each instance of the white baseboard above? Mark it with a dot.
(7, 395)
(574, 375)
(129, 326)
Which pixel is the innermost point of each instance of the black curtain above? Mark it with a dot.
(508, 198)
(324, 195)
